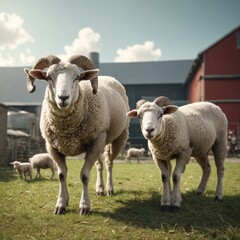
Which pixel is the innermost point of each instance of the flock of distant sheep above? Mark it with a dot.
(78, 117)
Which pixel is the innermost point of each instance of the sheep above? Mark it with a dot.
(77, 118)
(134, 152)
(232, 143)
(179, 133)
(22, 169)
(42, 161)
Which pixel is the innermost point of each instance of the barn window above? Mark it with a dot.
(238, 40)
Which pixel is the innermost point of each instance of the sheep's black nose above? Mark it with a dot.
(63, 98)
(149, 130)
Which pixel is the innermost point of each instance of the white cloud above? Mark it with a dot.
(12, 32)
(86, 42)
(27, 57)
(6, 60)
(138, 53)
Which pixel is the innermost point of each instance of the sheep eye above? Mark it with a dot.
(51, 82)
(76, 79)
(159, 115)
(50, 79)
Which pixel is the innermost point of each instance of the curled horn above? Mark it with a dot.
(40, 64)
(162, 101)
(140, 103)
(86, 64)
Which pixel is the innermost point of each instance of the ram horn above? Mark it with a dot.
(140, 103)
(162, 101)
(86, 64)
(40, 64)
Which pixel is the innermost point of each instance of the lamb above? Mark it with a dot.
(78, 117)
(190, 130)
(42, 161)
(22, 169)
(134, 152)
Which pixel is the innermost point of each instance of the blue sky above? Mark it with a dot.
(126, 30)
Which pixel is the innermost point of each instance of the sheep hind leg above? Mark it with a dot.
(219, 151)
(206, 170)
(53, 172)
(112, 151)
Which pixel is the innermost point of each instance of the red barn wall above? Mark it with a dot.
(223, 57)
(221, 83)
(196, 88)
(232, 113)
(222, 89)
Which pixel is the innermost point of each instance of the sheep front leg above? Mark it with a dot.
(99, 182)
(109, 166)
(91, 156)
(62, 200)
(165, 167)
(176, 176)
(38, 173)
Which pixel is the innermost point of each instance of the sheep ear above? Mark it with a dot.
(37, 73)
(88, 74)
(132, 114)
(169, 109)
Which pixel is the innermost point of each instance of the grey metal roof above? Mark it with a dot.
(13, 79)
(161, 72)
(13, 87)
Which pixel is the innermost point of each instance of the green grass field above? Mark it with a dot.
(26, 207)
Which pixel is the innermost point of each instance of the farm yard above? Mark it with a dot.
(26, 207)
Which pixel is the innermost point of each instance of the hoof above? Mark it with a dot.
(110, 193)
(217, 199)
(174, 209)
(60, 210)
(84, 211)
(100, 193)
(165, 208)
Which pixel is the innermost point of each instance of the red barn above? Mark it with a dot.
(215, 77)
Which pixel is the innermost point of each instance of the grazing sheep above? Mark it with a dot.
(134, 152)
(22, 169)
(190, 130)
(42, 161)
(232, 143)
(78, 117)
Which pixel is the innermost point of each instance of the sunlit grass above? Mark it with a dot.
(26, 207)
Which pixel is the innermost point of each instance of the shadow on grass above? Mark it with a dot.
(197, 212)
(7, 174)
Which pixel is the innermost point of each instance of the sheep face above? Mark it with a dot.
(150, 118)
(15, 164)
(63, 80)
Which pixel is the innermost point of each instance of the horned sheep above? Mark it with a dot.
(78, 117)
(42, 161)
(179, 133)
(22, 168)
(134, 152)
